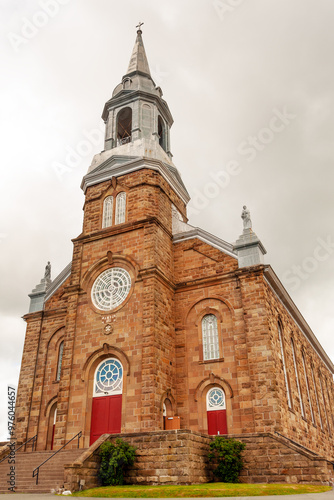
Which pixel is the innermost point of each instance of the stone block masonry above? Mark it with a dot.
(181, 457)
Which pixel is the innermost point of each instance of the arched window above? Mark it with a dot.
(210, 337)
(297, 379)
(316, 397)
(60, 359)
(284, 366)
(161, 133)
(108, 378)
(107, 211)
(308, 389)
(324, 402)
(120, 208)
(124, 126)
(329, 401)
(215, 399)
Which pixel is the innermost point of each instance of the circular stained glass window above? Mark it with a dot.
(216, 399)
(109, 377)
(111, 288)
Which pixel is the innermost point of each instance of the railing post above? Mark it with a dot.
(36, 470)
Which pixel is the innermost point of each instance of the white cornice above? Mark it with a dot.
(103, 173)
(210, 239)
(285, 299)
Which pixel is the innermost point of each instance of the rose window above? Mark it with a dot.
(111, 288)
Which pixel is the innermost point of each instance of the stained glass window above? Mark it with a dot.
(210, 337)
(216, 399)
(60, 359)
(297, 379)
(120, 208)
(284, 367)
(308, 389)
(107, 211)
(108, 378)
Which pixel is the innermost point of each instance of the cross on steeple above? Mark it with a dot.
(139, 25)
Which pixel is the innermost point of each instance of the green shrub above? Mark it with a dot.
(115, 460)
(227, 454)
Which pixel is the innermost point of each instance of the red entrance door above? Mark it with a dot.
(106, 416)
(217, 422)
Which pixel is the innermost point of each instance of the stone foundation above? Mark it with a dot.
(180, 457)
(165, 457)
(270, 458)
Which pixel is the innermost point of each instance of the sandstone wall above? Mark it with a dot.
(180, 457)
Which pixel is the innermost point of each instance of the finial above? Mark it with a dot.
(47, 274)
(246, 218)
(139, 25)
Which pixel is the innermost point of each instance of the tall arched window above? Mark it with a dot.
(60, 359)
(210, 337)
(329, 402)
(124, 126)
(284, 367)
(324, 402)
(297, 379)
(308, 389)
(120, 208)
(107, 211)
(316, 397)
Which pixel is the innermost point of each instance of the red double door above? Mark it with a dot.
(106, 416)
(217, 423)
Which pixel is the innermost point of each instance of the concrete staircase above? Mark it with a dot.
(51, 474)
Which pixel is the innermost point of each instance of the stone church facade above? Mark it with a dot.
(157, 325)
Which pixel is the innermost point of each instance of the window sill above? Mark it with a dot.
(56, 381)
(210, 361)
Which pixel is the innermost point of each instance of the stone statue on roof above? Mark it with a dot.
(47, 274)
(246, 218)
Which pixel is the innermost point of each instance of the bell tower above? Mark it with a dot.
(136, 110)
(137, 134)
(105, 327)
(122, 279)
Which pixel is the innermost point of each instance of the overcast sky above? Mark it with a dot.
(250, 84)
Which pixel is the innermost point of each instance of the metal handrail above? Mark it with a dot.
(33, 439)
(35, 472)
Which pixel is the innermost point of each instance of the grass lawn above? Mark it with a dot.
(201, 490)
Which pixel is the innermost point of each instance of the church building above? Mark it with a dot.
(159, 328)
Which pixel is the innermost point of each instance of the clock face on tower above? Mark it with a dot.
(111, 288)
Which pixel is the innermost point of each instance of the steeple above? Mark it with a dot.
(136, 109)
(138, 62)
(138, 122)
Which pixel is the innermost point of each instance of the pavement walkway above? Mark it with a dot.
(328, 495)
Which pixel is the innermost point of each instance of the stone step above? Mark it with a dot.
(51, 474)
